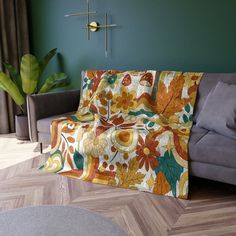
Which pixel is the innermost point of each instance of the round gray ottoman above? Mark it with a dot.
(55, 221)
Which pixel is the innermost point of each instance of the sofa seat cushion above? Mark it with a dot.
(212, 148)
(213, 172)
(43, 125)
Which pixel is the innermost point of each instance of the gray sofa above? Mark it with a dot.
(212, 156)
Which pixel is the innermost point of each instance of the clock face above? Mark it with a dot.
(93, 26)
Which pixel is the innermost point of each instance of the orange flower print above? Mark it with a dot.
(124, 102)
(147, 152)
(104, 97)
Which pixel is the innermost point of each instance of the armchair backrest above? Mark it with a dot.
(41, 106)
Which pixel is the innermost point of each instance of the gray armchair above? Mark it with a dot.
(43, 108)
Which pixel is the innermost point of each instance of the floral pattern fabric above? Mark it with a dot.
(131, 131)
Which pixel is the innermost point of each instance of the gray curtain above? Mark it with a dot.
(14, 42)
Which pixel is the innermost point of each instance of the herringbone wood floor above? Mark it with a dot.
(211, 210)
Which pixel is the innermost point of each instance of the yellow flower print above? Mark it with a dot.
(95, 145)
(124, 102)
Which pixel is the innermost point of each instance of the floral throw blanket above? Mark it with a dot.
(131, 131)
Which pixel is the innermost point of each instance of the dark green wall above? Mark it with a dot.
(190, 35)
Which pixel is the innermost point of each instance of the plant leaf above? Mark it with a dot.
(170, 168)
(47, 58)
(29, 73)
(151, 124)
(15, 76)
(54, 81)
(128, 178)
(161, 187)
(10, 87)
(169, 100)
(187, 108)
(2, 87)
(191, 118)
(78, 160)
(185, 118)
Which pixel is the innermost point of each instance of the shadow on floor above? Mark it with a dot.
(199, 187)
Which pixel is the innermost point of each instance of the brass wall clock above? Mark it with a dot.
(94, 26)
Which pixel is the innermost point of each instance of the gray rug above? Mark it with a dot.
(55, 221)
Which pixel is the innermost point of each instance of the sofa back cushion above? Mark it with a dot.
(219, 111)
(208, 82)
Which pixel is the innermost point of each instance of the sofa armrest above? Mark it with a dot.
(41, 106)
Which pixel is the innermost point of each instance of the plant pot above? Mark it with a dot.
(22, 128)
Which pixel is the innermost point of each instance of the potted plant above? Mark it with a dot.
(29, 81)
